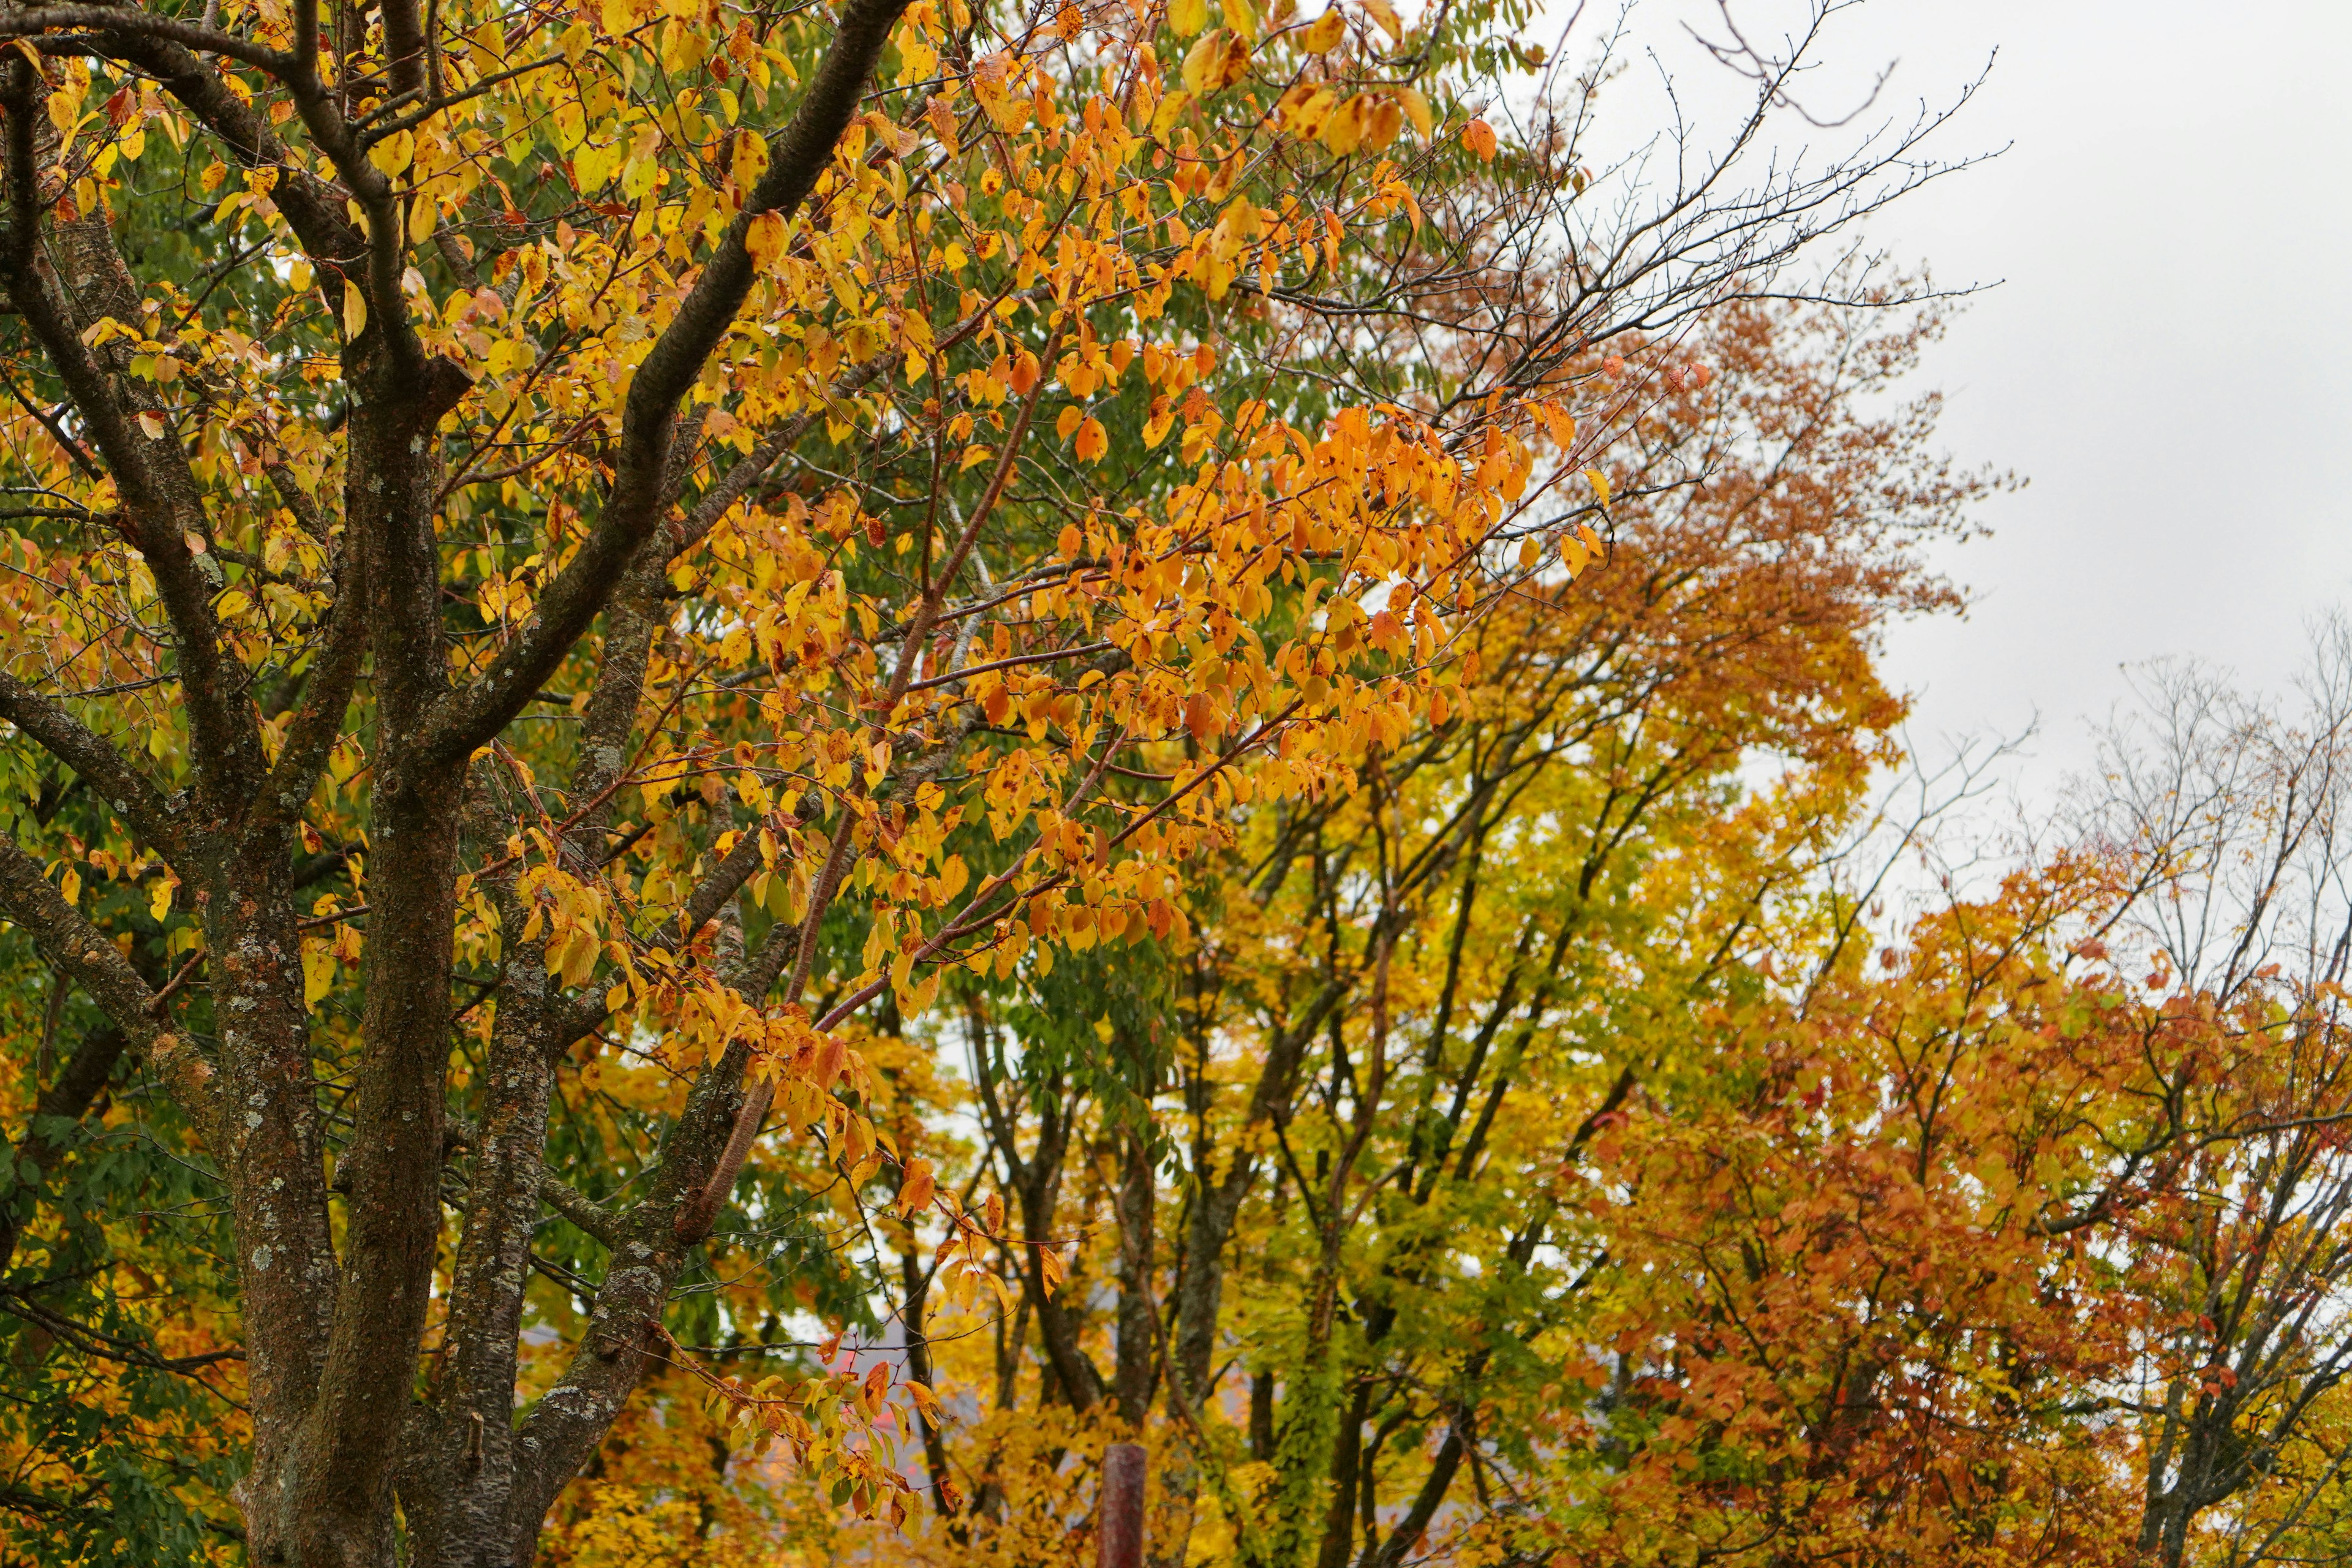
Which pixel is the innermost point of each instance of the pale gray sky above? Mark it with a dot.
(2169, 354)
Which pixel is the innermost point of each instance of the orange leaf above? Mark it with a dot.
(915, 1188)
(1201, 716)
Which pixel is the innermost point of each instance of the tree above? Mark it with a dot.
(1849, 1324)
(2227, 814)
(2030, 1246)
(1298, 1188)
(544, 591)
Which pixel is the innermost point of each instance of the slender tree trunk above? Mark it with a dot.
(911, 1317)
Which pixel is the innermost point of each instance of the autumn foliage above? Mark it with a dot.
(762, 767)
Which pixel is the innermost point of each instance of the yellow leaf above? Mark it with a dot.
(1093, 441)
(354, 311)
(640, 175)
(1218, 60)
(1188, 16)
(1306, 110)
(1164, 117)
(1385, 15)
(1416, 109)
(318, 972)
(1326, 34)
(1345, 128)
(1201, 64)
(763, 239)
(1201, 716)
(580, 955)
(395, 152)
(1479, 137)
(1241, 17)
(1600, 485)
(750, 159)
(1068, 422)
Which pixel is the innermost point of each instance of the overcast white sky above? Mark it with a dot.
(2168, 357)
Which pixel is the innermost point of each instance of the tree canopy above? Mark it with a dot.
(680, 884)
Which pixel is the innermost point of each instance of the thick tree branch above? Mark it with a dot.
(319, 722)
(695, 1219)
(130, 19)
(456, 1490)
(561, 1432)
(1393, 1550)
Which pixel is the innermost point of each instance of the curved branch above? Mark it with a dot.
(319, 722)
(130, 19)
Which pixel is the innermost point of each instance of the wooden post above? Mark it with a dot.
(1118, 1525)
